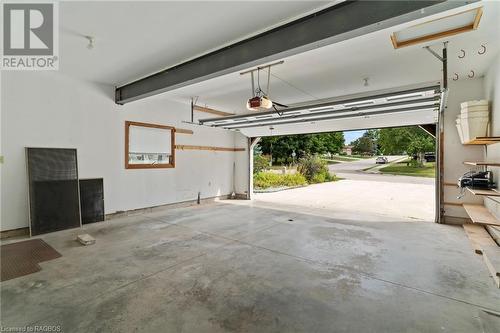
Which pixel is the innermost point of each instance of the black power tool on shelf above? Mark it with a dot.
(476, 180)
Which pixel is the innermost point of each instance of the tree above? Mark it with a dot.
(363, 145)
(394, 141)
(282, 147)
(410, 140)
(373, 134)
(367, 144)
(419, 145)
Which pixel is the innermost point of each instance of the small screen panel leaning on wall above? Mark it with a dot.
(149, 146)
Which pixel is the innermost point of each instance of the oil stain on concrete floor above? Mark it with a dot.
(240, 268)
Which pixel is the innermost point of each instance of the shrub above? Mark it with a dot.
(415, 163)
(260, 163)
(314, 169)
(264, 180)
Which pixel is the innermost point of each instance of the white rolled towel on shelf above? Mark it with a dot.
(477, 103)
(473, 127)
(459, 129)
(473, 120)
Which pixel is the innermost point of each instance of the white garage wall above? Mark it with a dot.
(454, 152)
(48, 109)
(492, 93)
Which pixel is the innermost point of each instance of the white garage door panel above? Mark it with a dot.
(390, 108)
(381, 121)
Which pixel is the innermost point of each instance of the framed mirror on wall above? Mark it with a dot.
(149, 146)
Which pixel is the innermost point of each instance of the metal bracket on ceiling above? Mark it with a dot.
(258, 69)
(210, 126)
(444, 60)
(434, 53)
(194, 100)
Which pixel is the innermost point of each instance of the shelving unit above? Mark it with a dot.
(482, 163)
(490, 193)
(480, 239)
(483, 140)
(480, 215)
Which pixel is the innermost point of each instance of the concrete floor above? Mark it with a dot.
(235, 266)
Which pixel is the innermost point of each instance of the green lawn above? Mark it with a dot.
(428, 170)
(342, 158)
(362, 156)
(331, 161)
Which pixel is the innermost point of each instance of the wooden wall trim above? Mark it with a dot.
(212, 111)
(137, 123)
(183, 131)
(210, 148)
(149, 166)
(470, 27)
(434, 36)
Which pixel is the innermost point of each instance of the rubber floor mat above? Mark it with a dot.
(22, 258)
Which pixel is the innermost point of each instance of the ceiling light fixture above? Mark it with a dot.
(91, 41)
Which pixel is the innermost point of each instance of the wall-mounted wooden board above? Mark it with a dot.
(210, 148)
(183, 131)
(480, 214)
(489, 193)
(482, 163)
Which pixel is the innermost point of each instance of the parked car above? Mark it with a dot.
(381, 160)
(428, 157)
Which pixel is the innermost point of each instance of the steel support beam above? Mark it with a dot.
(340, 22)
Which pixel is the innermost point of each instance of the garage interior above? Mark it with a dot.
(176, 240)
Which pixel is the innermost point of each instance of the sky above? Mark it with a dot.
(352, 135)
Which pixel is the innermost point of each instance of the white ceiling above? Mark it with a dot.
(136, 38)
(339, 69)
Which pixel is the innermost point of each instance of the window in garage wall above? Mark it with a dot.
(149, 146)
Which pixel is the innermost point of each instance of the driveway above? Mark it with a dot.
(370, 195)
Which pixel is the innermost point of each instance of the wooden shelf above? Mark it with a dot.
(483, 244)
(478, 237)
(483, 140)
(482, 163)
(480, 215)
(490, 193)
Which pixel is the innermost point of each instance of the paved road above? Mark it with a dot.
(354, 170)
(355, 166)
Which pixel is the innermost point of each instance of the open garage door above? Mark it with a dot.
(417, 105)
(389, 108)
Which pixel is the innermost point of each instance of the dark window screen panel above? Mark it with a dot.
(53, 189)
(92, 200)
